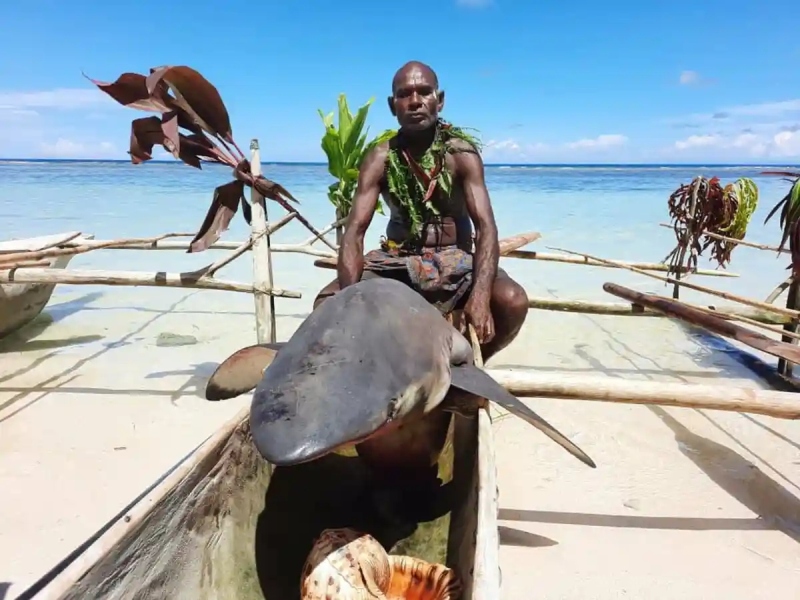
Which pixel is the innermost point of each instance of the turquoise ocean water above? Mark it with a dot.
(609, 211)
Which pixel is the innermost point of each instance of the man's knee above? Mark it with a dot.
(509, 296)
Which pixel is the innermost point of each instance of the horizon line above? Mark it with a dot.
(488, 164)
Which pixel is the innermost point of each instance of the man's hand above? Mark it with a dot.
(477, 312)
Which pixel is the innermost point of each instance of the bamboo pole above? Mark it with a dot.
(7, 247)
(301, 248)
(133, 278)
(723, 238)
(211, 269)
(515, 242)
(324, 232)
(645, 266)
(783, 405)
(790, 329)
(710, 322)
(728, 296)
(80, 248)
(487, 541)
(626, 309)
(24, 264)
(262, 258)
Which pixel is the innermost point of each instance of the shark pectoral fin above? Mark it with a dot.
(241, 371)
(476, 381)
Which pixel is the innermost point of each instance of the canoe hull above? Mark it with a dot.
(21, 303)
(209, 531)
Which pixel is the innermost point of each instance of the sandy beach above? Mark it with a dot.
(98, 403)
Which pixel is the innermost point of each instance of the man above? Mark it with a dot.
(432, 179)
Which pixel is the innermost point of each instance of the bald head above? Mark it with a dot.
(416, 99)
(414, 70)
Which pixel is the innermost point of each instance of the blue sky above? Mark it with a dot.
(580, 81)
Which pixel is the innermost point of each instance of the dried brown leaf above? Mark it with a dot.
(223, 206)
(172, 141)
(145, 133)
(197, 96)
(273, 191)
(130, 89)
(247, 211)
(200, 145)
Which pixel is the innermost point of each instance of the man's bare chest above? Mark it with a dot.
(447, 196)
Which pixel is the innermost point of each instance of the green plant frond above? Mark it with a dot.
(745, 191)
(350, 144)
(345, 145)
(345, 117)
(326, 119)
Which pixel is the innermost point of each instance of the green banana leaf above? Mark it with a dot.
(345, 145)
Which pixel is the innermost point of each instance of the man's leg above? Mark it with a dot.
(509, 305)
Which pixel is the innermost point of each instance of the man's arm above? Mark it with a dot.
(479, 207)
(351, 253)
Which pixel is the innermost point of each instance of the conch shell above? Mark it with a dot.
(345, 564)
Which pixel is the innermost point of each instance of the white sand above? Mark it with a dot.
(682, 506)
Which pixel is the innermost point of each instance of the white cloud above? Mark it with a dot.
(697, 141)
(66, 148)
(612, 140)
(750, 113)
(511, 149)
(496, 145)
(787, 143)
(689, 77)
(781, 144)
(69, 98)
(765, 109)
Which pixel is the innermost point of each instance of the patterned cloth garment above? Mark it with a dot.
(442, 275)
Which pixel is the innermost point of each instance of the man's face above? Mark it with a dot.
(415, 101)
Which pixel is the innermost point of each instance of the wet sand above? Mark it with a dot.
(689, 504)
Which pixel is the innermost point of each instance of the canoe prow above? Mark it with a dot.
(20, 303)
(207, 530)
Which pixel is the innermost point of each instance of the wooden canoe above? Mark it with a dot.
(224, 524)
(20, 303)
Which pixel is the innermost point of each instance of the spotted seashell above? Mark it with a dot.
(416, 579)
(345, 564)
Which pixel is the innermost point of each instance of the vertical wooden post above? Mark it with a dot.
(262, 258)
(792, 302)
(339, 228)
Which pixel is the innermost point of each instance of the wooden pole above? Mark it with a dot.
(792, 302)
(626, 309)
(487, 541)
(724, 238)
(707, 321)
(341, 221)
(733, 297)
(783, 405)
(301, 248)
(135, 278)
(262, 259)
(515, 242)
(645, 266)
